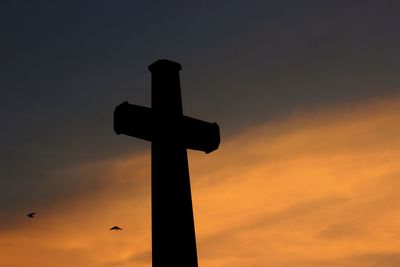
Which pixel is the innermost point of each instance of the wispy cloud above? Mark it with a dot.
(315, 190)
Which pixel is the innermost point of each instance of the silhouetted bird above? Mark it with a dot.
(31, 215)
(116, 228)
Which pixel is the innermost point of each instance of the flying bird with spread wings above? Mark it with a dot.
(31, 215)
(116, 228)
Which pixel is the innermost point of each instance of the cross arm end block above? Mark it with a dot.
(133, 120)
(200, 135)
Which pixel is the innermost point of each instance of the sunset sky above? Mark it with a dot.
(307, 96)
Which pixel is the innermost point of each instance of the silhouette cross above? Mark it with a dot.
(170, 133)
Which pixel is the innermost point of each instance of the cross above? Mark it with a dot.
(170, 134)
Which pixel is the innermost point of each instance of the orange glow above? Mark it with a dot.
(315, 190)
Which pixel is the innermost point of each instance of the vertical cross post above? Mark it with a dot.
(171, 133)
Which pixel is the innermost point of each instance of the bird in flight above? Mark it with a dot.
(116, 228)
(31, 215)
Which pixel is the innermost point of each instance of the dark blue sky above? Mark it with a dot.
(65, 65)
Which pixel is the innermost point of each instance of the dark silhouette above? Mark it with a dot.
(116, 228)
(31, 215)
(171, 133)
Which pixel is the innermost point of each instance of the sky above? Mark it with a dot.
(307, 97)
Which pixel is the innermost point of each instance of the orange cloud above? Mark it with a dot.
(314, 190)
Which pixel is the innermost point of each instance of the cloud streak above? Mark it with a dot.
(315, 190)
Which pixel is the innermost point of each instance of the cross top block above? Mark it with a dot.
(165, 65)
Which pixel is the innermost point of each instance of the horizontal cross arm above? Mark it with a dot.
(142, 122)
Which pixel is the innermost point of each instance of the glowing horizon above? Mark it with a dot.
(316, 189)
